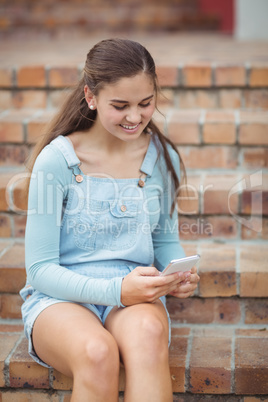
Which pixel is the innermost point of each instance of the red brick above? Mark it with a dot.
(195, 99)
(13, 257)
(253, 134)
(191, 311)
(219, 127)
(189, 195)
(11, 125)
(256, 98)
(217, 196)
(230, 76)
(10, 130)
(19, 225)
(217, 270)
(63, 76)
(253, 271)
(177, 362)
(12, 183)
(5, 227)
(26, 396)
(10, 305)
(210, 362)
(4, 179)
(37, 125)
(182, 331)
(251, 373)
(230, 98)
(206, 157)
(12, 279)
(5, 77)
(34, 99)
(16, 193)
(167, 76)
(7, 342)
(257, 229)
(227, 311)
(31, 76)
(5, 100)
(254, 202)
(258, 76)
(57, 97)
(205, 228)
(166, 98)
(61, 382)
(255, 157)
(256, 311)
(197, 75)
(13, 155)
(24, 371)
(255, 194)
(254, 399)
(183, 127)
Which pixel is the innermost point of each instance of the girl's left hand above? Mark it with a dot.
(186, 288)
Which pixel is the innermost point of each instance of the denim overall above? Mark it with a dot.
(105, 230)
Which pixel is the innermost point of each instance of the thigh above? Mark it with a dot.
(133, 326)
(60, 332)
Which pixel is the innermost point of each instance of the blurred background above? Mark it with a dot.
(212, 64)
(245, 19)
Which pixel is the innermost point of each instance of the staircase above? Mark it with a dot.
(216, 111)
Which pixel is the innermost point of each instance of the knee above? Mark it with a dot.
(99, 358)
(152, 336)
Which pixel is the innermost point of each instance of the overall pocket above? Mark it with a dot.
(106, 225)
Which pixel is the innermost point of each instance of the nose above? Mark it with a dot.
(133, 115)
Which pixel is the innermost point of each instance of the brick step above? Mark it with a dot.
(87, 17)
(183, 126)
(233, 284)
(207, 85)
(204, 360)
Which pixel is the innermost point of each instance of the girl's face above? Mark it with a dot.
(125, 108)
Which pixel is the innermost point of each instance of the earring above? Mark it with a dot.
(91, 107)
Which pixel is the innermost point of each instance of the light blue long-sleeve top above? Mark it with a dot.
(80, 227)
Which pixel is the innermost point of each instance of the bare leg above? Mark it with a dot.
(141, 332)
(72, 339)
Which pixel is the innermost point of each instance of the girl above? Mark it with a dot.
(102, 224)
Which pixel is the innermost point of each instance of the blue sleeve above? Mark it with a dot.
(165, 237)
(48, 188)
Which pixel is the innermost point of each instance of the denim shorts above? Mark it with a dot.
(38, 302)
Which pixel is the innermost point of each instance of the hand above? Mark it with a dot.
(186, 288)
(146, 285)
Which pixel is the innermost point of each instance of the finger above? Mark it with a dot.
(147, 271)
(194, 270)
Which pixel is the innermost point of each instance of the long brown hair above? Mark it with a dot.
(107, 62)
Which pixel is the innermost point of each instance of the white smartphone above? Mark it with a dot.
(182, 264)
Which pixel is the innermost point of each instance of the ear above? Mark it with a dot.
(89, 97)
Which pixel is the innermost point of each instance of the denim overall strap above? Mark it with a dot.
(150, 159)
(67, 151)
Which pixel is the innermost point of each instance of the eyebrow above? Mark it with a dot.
(123, 101)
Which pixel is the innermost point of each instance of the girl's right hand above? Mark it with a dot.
(146, 285)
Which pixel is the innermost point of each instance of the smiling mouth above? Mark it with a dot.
(129, 127)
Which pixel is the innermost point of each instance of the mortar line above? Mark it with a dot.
(233, 363)
(187, 361)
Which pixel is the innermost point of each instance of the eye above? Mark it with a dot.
(119, 107)
(145, 104)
